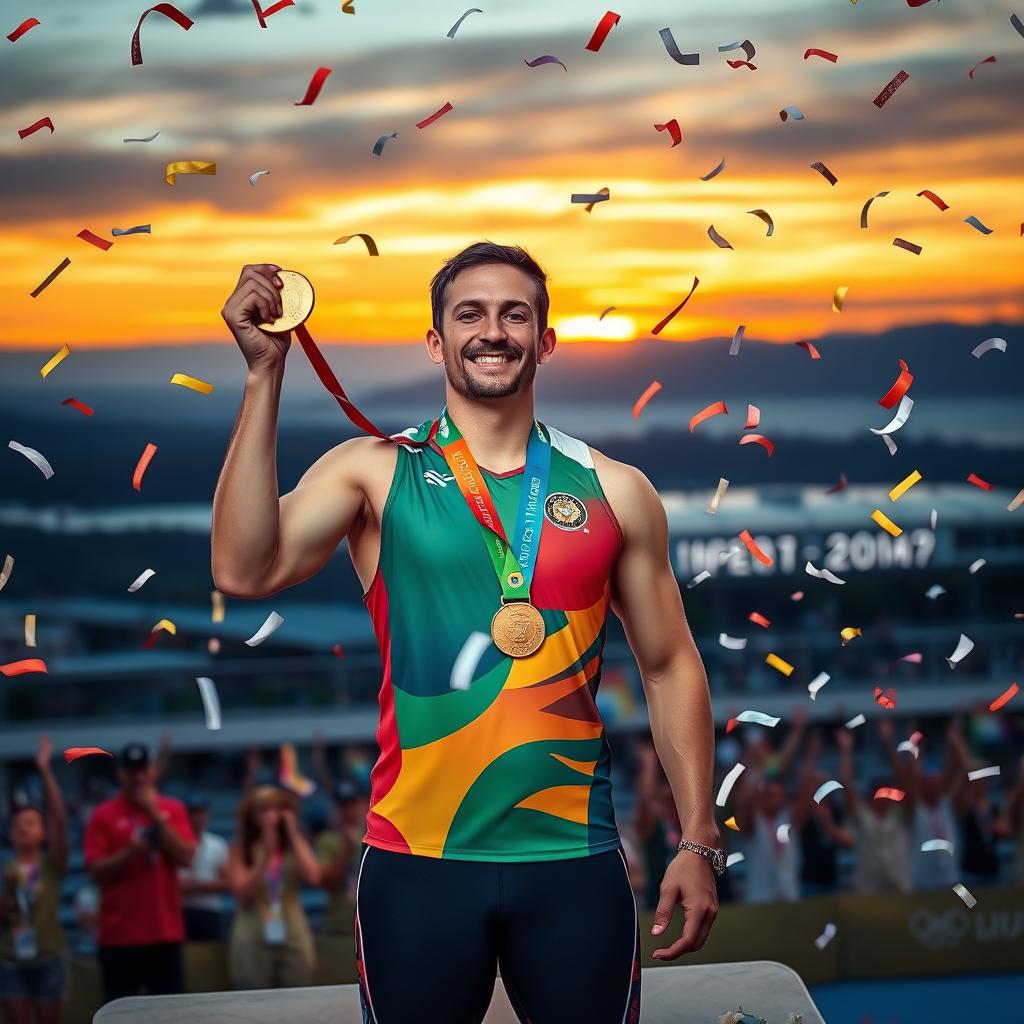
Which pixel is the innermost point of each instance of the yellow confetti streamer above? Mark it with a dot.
(62, 354)
(192, 382)
(218, 606)
(848, 633)
(30, 630)
(839, 297)
(731, 823)
(776, 662)
(886, 523)
(190, 167)
(371, 245)
(904, 485)
(166, 624)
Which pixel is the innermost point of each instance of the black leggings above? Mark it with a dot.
(430, 934)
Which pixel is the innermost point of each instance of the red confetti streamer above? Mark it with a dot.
(812, 351)
(63, 265)
(741, 64)
(889, 793)
(74, 753)
(768, 446)
(928, 194)
(759, 619)
(835, 488)
(168, 11)
(261, 15)
(43, 122)
(899, 389)
(672, 127)
(101, 243)
(813, 51)
(143, 463)
(714, 409)
(909, 246)
(753, 417)
(604, 26)
(731, 724)
(797, 595)
(885, 700)
(313, 89)
(751, 546)
(824, 172)
(916, 3)
(336, 649)
(883, 97)
(19, 668)
(1005, 697)
(652, 390)
(987, 60)
(658, 327)
(80, 406)
(978, 482)
(23, 28)
(433, 117)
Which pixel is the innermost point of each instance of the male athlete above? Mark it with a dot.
(491, 840)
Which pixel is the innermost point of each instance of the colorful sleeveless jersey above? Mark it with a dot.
(512, 764)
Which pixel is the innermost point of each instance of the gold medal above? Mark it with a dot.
(517, 629)
(296, 303)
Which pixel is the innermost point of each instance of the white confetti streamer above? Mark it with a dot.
(8, 568)
(467, 660)
(826, 936)
(143, 577)
(211, 701)
(817, 683)
(889, 443)
(986, 346)
(150, 139)
(732, 643)
(758, 718)
(934, 591)
(983, 773)
(963, 648)
(855, 721)
(901, 417)
(930, 845)
(935, 517)
(737, 340)
(909, 745)
(823, 574)
(733, 858)
(699, 578)
(962, 892)
(253, 178)
(825, 788)
(713, 506)
(273, 621)
(975, 565)
(30, 453)
(727, 783)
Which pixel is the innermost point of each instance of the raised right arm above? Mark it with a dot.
(262, 542)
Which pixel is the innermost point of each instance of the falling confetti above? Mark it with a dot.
(378, 146)
(964, 647)
(987, 346)
(672, 127)
(886, 94)
(714, 409)
(728, 782)
(371, 245)
(144, 459)
(440, 112)
(189, 167)
(777, 663)
(455, 28)
(604, 26)
(313, 89)
(211, 701)
(548, 58)
(720, 491)
(825, 788)
(33, 456)
(140, 580)
(839, 298)
(652, 389)
(24, 27)
(791, 114)
(657, 328)
(193, 383)
(74, 753)
(904, 485)
(43, 122)
(713, 173)
(273, 621)
(822, 574)
(62, 266)
(168, 11)
(824, 172)
(673, 49)
(65, 350)
(255, 176)
(886, 523)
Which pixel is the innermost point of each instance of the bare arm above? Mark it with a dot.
(646, 597)
(305, 860)
(245, 881)
(57, 818)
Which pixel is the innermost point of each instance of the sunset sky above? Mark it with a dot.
(503, 164)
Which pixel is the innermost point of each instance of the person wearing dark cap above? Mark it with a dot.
(204, 883)
(338, 849)
(134, 845)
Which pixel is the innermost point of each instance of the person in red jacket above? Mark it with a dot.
(134, 845)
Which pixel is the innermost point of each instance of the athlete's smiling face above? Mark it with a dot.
(490, 344)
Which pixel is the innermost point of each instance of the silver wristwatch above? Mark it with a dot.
(716, 858)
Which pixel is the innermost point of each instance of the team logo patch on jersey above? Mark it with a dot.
(566, 511)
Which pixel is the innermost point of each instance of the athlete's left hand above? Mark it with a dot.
(689, 880)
